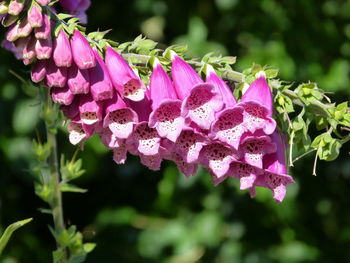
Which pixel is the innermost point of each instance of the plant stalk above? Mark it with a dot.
(56, 203)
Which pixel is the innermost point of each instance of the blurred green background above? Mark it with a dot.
(136, 215)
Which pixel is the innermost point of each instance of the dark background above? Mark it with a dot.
(135, 215)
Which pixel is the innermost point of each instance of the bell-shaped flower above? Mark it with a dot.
(55, 76)
(246, 174)
(166, 108)
(62, 95)
(124, 79)
(12, 33)
(119, 117)
(71, 111)
(100, 84)
(79, 132)
(220, 86)
(83, 54)
(44, 31)
(15, 7)
(258, 107)
(275, 176)
(90, 110)
(201, 105)
(39, 71)
(229, 126)
(217, 157)
(29, 48)
(143, 108)
(109, 139)
(188, 144)
(184, 76)
(188, 169)
(35, 17)
(153, 162)
(120, 154)
(43, 48)
(145, 139)
(43, 2)
(62, 53)
(253, 147)
(78, 80)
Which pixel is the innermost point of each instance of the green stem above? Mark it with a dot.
(56, 203)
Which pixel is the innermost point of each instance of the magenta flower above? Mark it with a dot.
(83, 54)
(62, 95)
(257, 103)
(100, 83)
(29, 48)
(119, 154)
(124, 79)
(71, 111)
(35, 17)
(43, 48)
(184, 77)
(119, 117)
(55, 76)
(90, 110)
(62, 53)
(229, 126)
(12, 33)
(43, 2)
(145, 139)
(110, 140)
(188, 169)
(12, 48)
(246, 174)
(44, 31)
(78, 80)
(166, 115)
(253, 148)
(220, 86)
(77, 8)
(217, 157)
(201, 105)
(15, 7)
(152, 162)
(79, 132)
(275, 176)
(39, 71)
(188, 144)
(24, 28)
(143, 108)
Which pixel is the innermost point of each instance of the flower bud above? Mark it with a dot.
(25, 28)
(35, 17)
(39, 71)
(62, 95)
(29, 49)
(56, 77)
(3, 8)
(62, 53)
(44, 31)
(12, 34)
(43, 48)
(43, 2)
(78, 80)
(15, 7)
(83, 54)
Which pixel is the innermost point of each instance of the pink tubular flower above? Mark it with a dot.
(79, 132)
(257, 104)
(201, 105)
(124, 79)
(77, 8)
(109, 139)
(44, 31)
(145, 139)
(166, 115)
(71, 111)
(78, 80)
(188, 144)
(253, 148)
(188, 169)
(275, 176)
(83, 54)
(55, 76)
(43, 48)
(184, 77)
(29, 48)
(119, 117)
(12, 33)
(12, 48)
(43, 2)
(62, 53)
(90, 110)
(101, 86)
(220, 86)
(217, 157)
(35, 17)
(119, 154)
(15, 7)
(246, 174)
(229, 126)
(153, 162)
(62, 95)
(39, 71)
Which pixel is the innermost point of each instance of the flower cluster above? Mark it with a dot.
(183, 118)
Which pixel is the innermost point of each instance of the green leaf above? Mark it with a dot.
(64, 16)
(9, 231)
(271, 73)
(72, 188)
(89, 247)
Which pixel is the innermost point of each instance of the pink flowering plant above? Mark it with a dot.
(159, 105)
